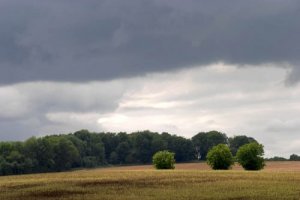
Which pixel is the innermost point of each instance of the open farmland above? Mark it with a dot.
(279, 180)
(283, 166)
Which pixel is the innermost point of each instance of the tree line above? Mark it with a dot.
(293, 157)
(88, 149)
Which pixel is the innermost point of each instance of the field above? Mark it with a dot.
(279, 180)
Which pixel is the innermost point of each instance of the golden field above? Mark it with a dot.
(279, 180)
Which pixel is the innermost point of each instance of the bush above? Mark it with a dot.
(220, 157)
(164, 160)
(250, 156)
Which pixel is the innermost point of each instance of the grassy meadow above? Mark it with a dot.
(279, 180)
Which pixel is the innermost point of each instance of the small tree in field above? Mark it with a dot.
(250, 156)
(164, 160)
(220, 157)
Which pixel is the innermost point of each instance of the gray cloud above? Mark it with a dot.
(46, 107)
(251, 101)
(102, 40)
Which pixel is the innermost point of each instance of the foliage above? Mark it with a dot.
(294, 157)
(89, 149)
(66, 154)
(204, 141)
(237, 141)
(276, 158)
(250, 156)
(164, 160)
(220, 157)
(114, 158)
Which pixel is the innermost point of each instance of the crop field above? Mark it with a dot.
(279, 180)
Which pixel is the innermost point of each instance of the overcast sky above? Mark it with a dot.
(163, 65)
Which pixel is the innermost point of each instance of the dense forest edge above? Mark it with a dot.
(84, 149)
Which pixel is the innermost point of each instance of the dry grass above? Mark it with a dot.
(270, 166)
(280, 180)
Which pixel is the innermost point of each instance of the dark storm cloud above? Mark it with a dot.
(101, 40)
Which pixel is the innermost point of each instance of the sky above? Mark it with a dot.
(160, 65)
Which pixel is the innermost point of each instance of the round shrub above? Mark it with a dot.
(250, 156)
(220, 157)
(163, 160)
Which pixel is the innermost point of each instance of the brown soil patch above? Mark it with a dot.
(289, 166)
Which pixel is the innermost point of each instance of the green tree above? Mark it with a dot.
(237, 141)
(90, 147)
(90, 161)
(6, 148)
(204, 141)
(158, 144)
(249, 156)
(294, 157)
(182, 147)
(164, 160)
(114, 158)
(110, 141)
(123, 150)
(40, 151)
(142, 146)
(66, 154)
(220, 157)
(276, 158)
